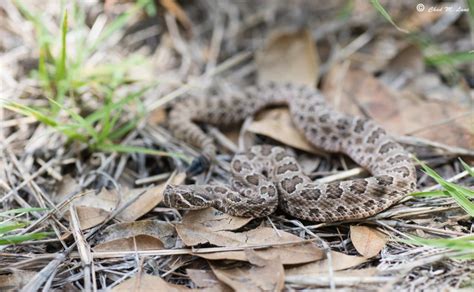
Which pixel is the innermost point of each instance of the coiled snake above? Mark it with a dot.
(266, 177)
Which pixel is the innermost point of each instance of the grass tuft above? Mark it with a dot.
(9, 227)
(463, 244)
(64, 79)
(460, 194)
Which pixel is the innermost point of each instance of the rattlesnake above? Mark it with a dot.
(267, 177)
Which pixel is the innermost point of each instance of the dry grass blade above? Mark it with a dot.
(86, 151)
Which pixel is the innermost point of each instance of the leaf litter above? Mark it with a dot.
(135, 243)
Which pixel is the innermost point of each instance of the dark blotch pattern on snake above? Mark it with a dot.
(266, 177)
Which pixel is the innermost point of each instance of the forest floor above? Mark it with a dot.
(86, 152)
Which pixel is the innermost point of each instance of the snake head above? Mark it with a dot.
(198, 166)
(185, 197)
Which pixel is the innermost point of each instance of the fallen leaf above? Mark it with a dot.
(403, 113)
(148, 199)
(145, 282)
(289, 255)
(93, 209)
(157, 116)
(140, 235)
(194, 235)
(267, 275)
(137, 242)
(90, 216)
(368, 241)
(289, 57)
(277, 124)
(66, 187)
(214, 220)
(339, 261)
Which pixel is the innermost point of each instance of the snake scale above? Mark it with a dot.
(266, 177)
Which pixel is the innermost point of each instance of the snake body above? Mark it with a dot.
(266, 177)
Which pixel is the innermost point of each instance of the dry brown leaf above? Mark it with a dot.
(267, 275)
(277, 124)
(93, 209)
(289, 57)
(90, 217)
(206, 279)
(145, 282)
(138, 242)
(157, 116)
(193, 235)
(398, 113)
(213, 220)
(339, 261)
(67, 186)
(368, 241)
(289, 255)
(148, 199)
(140, 235)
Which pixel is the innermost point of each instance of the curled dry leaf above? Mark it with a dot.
(196, 234)
(289, 57)
(289, 255)
(277, 124)
(147, 200)
(93, 209)
(339, 261)
(362, 94)
(140, 235)
(368, 241)
(266, 275)
(213, 220)
(145, 282)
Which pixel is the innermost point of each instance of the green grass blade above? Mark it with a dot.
(111, 106)
(456, 192)
(464, 243)
(61, 63)
(122, 131)
(6, 227)
(468, 168)
(376, 4)
(28, 111)
(22, 210)
(431, 194)
(13, 239)
(470, 4)
(451, 58)
(80, 120)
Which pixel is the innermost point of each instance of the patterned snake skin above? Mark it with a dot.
(266, 177)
